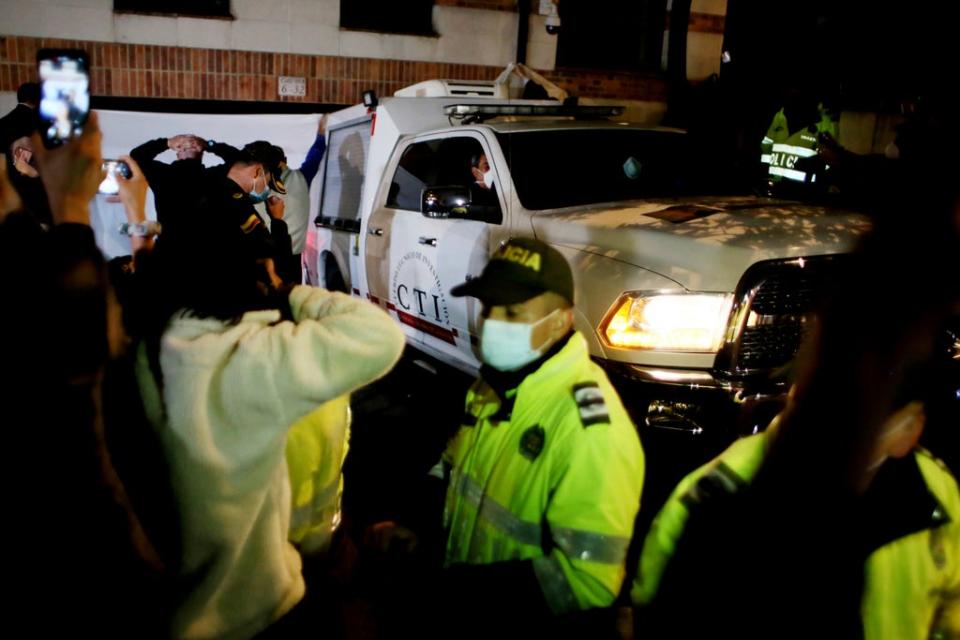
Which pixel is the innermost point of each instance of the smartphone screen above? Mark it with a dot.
(110, 186)
(64, 94)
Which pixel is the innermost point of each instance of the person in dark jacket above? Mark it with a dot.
(22, 119)
(15, 130)
(81, 561)
(177, 181)
(222, 208)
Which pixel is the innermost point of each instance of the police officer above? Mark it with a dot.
(910, 520)
(224, 209)
(546, 471)
(249, 179)
(832, 524)
(789, 150)
(297, 183)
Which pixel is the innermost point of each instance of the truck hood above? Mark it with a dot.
(703, 244)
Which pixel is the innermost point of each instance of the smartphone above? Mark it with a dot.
(64, 94)
(114, 168)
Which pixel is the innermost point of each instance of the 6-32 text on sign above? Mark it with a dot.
(292, 86)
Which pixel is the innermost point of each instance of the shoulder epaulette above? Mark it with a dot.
(590, 403)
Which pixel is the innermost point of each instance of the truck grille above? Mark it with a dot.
(786, 293)
(774, 304)
(770, 347)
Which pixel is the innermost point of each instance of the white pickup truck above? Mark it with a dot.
(690, 298)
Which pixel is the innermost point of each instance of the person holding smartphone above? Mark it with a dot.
(82, 562)
(118, 212)
(58, 109)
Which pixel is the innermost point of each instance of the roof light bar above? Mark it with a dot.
(479, 112)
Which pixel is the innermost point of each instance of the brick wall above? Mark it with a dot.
(623, 85)
(703, 23)
(495, 5)
(136, 70)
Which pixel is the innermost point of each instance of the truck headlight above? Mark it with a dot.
(693, 322)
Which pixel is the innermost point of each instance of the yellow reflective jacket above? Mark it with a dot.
(316, 448)
(552, 474)
(787, 154)
(912, 584)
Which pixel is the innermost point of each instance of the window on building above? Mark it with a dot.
(412, 17)
(611, 34)
(197, 8)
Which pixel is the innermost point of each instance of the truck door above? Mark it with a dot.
(425, 257)
(335, 207)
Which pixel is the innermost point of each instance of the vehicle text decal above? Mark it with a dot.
(417, 296)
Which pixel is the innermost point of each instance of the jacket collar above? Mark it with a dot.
(898, 503)
(503, 381)
(506, 383)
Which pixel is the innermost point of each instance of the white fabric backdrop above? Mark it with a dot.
(125, 130)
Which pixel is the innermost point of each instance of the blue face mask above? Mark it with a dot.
(506, 345)
(259, 196)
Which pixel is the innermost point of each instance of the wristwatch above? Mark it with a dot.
(140, 229)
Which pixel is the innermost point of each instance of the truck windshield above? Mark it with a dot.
(574, 167)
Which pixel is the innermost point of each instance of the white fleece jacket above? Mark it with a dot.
(230, 391)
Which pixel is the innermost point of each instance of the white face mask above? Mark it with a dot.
(506, 345)
(488, 179)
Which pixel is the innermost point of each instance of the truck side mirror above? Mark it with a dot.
(445, 202)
